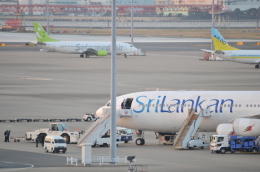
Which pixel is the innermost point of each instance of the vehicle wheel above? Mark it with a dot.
(94, 145)
(202, 147)
(46, 150)
(53, 151)
(66, 138)
(139, 141)
(254, 150)
(256, 66)
(18, 140)
(105, 145)
(222, 150)
(14, 140)
(63, 151)
(81, 55)
(88, 119)
(217, 152)
(233, 151)
(126, 141)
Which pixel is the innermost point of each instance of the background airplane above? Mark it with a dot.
(225, 51)
(80, 47)
(165, 111)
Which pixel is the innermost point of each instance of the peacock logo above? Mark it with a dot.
(249, 128)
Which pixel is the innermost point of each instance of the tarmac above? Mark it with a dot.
(46, 85)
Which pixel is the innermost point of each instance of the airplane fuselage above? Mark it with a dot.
(242, 56)
(165, 111)
(71, 47)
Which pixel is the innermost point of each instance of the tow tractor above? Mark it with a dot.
(55, 129)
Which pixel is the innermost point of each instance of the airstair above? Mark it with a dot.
(96, 130)
(189, 128)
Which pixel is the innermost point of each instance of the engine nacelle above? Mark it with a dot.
(246, 127)
(102, 53)
(225, 129)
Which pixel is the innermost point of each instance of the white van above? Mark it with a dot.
(55, 144)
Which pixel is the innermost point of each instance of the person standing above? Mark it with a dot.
(6, 135)
(37, 140)
(42, 139)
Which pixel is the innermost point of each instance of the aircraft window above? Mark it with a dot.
(228, 105)
(153, 105)
(258, 105)
(250, 105)
(224, 105)
(167, 105)
(239, 105)
(246, 105)
(221, 105)
(236, 105)
(255, 105)
(108, 104)
(185, 105)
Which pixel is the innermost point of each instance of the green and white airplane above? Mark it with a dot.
(225, 51)
(79, 47)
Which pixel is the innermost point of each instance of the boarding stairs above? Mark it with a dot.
(189, 128)
(96, 130)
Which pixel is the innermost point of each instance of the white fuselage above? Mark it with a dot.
(165, 111)
(242, 56)
(72, 47)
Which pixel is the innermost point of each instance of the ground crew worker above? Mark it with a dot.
(37, 140)
(6, 135)
(42, 140)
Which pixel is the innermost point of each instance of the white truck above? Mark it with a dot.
(201, 142)
(55, 129)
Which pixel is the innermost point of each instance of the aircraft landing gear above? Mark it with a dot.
(87, 55)
(81, 55)
(256, 66)
(140, 141)
(125, 56)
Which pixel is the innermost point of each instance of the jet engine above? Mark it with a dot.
(246, 127)
(225, 129)
(101, 53)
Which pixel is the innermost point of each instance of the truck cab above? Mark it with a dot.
(219, 143)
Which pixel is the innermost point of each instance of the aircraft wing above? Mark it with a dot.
(209, 51)
(90, 51)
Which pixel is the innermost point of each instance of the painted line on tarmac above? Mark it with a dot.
(14, 169)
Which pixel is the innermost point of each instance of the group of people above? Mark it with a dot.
(7, 135)
(40, 139)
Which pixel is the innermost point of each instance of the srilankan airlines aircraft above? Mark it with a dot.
(165, 111)
(74, 47)
(225, 51)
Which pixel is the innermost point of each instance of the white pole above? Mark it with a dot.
(47, 11)
(113, 149)
(132, 23)
(213, 25)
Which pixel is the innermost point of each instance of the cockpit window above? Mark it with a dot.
(108, 104)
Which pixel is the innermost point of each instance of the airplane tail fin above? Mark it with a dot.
(41, 35)
(219, 42)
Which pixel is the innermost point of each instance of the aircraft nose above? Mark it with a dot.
(99, 112)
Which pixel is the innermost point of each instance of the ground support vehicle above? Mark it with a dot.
(55, 129)
(223, 143)
(124, 134)
(89, 117)
(55, 144)
(200, 142)
(17, 139)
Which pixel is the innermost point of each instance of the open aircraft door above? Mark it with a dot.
(126, 107)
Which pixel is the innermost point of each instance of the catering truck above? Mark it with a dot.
(224, 143)
(55, 129)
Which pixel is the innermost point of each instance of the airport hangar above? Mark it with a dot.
(46, 84)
